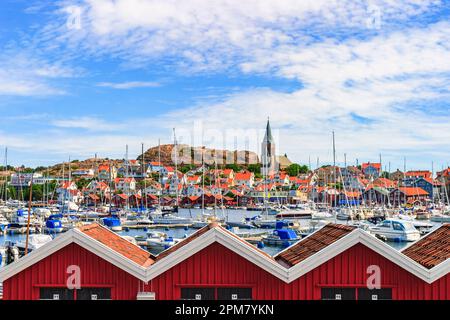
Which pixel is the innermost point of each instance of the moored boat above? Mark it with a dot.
(396, 230)
(113, 223)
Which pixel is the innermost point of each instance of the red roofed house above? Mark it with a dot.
(191, 180)
(98, 187)
(245, 178)
(371, 169)
(418, 174)
(68, 191)
(107, 172)
(337, 262)
(409, 195)
(125, 184)
(385, 183)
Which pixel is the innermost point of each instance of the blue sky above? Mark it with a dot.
(79, 77)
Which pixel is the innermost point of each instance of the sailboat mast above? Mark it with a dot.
(203, 183)
(127, 173)
(29, 213)
(176, 165)
(334, 168)
(6, 175)
(159, 172)
(110, 187)
(143, 177)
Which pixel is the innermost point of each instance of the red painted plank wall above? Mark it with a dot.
(218, 266)
(52, 271)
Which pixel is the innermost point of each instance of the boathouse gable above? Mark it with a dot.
(61, 269)
(215, 260)
(78, 237)
(215, 234)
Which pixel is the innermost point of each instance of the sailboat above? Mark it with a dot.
(207, 218)
(172, 218)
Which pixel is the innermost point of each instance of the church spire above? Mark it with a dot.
(268, 138)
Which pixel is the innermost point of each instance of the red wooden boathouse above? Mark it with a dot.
(336, 262)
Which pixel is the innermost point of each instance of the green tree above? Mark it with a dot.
(255, 168)
(38, 193)
(207, 180)
(233, 166)
(186, 167)
(296, 169)
(82, 183)
(385, 175)
(12, 193)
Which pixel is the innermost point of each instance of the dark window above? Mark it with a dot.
(94, 294)
(338, 294)
(197, 294)
(234, 294)
(56, 294)
(397, 226)
(375, 294)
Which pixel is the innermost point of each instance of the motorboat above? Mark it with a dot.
(322, 215)
(159, 241)
(440, 217)
(42, 212)
(113, 223)
(281, 237)
(296, 214)
(396, 230)
(423, 227)
(35, 241)
(137, 221)
(262, 222)
(243, 224)
(54, 224)
(168, 219)
(205, 220)
(130, 239)
(423, 215)
(3, 224)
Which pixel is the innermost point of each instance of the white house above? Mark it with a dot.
(244, 178)
(68, 191)
(125, 184)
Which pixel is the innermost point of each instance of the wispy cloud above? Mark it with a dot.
(23, 73)
(129, 85)
(392, 73)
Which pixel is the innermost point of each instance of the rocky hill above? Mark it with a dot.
(91, 163)
(193, 155)
(186, 155)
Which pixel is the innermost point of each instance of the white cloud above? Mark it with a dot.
(357, 73)
(209, 35)
(24, 74)
(129, 85)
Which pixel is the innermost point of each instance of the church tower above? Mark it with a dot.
(268, 158)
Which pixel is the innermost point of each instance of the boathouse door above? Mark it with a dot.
(197, 294)
(375, 294)
(356, 294)
(94, 294)
(338, 294)
(216, 294)
(56, 294)
(234, 294)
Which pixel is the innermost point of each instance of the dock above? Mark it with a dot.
(157, 226)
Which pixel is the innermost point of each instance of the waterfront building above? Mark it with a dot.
(24, 179)
(337, 262)
(371, 170)
(107, 172)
